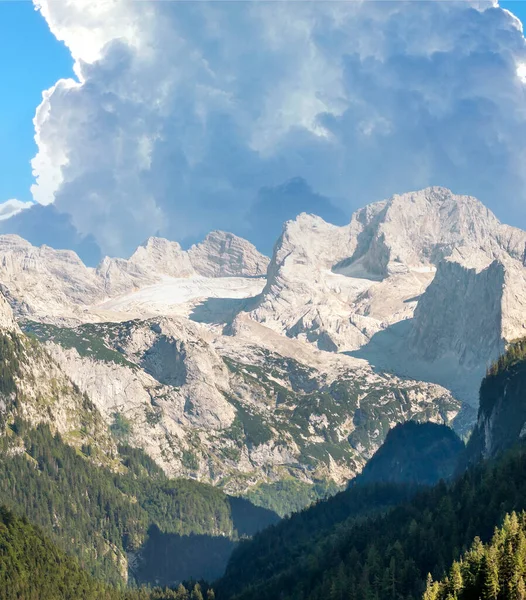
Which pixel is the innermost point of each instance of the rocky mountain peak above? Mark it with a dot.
(162, 256)
(428, 273)
(419, 229)
(223, 254)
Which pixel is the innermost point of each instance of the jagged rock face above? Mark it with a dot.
(462, 312)
(473, 307)
(501, 421)
(302, 298)
(161, 256)
(421, 228)
(243, 409)
(7, 319)
(44, 280)
(226, 255)
(117, 276)
(47, 283)
(356, 288)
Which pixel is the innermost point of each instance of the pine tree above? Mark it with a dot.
(196, 594)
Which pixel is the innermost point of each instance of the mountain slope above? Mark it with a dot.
(108, 518)
(31, 566)
(501, 418)
(224, 376)
(34, 387)
(418, 453)
(496, 569)
(387, 555)
(68, 469)
(234, 410)
(391, 555)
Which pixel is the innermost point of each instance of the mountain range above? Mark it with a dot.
(260, 375)
(140, 399)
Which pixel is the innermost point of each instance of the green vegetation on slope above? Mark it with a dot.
(11, 353)
(32, 567)
(495, 571)
(87, 339)
(502, 410)
(289, 495)
(383, 557)
(515, 352)
(508, 367)
(98, 515)
(420, 453)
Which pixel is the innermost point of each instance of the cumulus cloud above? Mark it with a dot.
(12, 207)
(184, 111)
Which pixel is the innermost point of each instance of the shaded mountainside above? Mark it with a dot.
(105, 517)
(501, 418)
(31, 566)
(419, 453)
(380, 557)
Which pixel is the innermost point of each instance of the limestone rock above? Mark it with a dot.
(223, 254)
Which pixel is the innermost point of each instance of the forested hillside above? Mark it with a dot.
(99, 515)
(494, 571)
(502, 409)
(387, 556)
(418, 453)
(32, 567)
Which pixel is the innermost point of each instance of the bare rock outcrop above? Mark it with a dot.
(223, 254)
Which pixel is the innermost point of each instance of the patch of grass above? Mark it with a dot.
(88, 340)
(290, 495)
(256, 431)
(121, 426)
(230, 453)
(190, 460)
(153, 417)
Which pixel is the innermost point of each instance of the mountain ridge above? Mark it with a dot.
(230, 377)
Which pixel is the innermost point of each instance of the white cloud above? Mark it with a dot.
(12, 207)
(184, 111)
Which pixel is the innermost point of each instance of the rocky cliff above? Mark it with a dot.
(237, 410)
(33, 387)
(501, 421)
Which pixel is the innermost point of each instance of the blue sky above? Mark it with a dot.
(518, 7)
(31, 60)
(195, 116)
